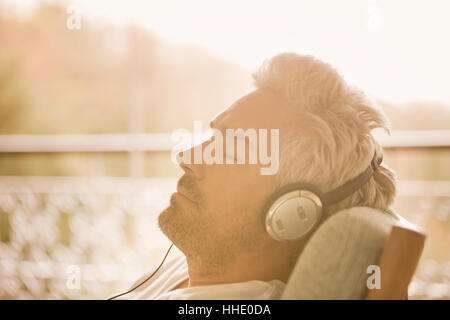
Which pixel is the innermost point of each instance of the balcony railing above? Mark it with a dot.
(163, 142)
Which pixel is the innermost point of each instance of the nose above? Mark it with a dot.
(191, 161)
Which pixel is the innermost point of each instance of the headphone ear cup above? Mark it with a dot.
(293, 215)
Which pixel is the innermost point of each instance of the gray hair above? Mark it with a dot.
(328, 140)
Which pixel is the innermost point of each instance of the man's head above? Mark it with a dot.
(325, 140)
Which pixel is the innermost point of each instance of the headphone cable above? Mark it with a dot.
(132, 289)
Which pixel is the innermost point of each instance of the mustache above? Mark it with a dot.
(188, 183)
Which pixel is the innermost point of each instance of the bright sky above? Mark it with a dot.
(396, 50)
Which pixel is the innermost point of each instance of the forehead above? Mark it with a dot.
(258, 109)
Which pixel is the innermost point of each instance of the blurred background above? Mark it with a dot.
(91, 90)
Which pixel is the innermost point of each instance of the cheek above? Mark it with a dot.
(232, 189)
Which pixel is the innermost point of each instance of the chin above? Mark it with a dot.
(164, 218)
(172, 222)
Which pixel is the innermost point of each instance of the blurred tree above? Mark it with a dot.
(418, 115)
(13, 97)
(106, 79)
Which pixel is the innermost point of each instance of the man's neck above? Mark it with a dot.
(274, 265)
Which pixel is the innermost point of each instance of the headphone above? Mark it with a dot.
(295, 210)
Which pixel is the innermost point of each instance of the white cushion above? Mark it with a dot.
(333, 264)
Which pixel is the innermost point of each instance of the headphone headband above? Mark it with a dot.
(354, 184)
(339, 193)
(295, 210)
